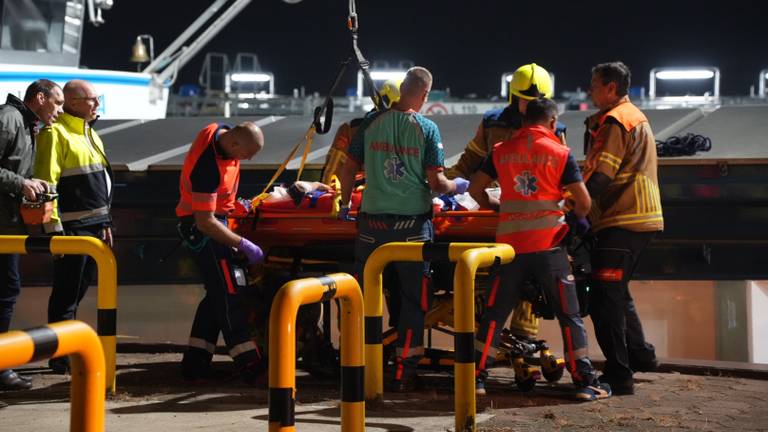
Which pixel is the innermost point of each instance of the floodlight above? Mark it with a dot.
(379, 75)
(685, 74)
(387, 75)
(251, 77)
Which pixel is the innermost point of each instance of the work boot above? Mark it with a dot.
(194, 368)
(10, 380)
(480, 378)
(59, 365)
(255, 374)
(619, 387)
(644, 366)
(593, 392)
(403, 385)
(406, 380)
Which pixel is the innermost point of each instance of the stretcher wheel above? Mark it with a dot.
(553, 376)
(552, 368)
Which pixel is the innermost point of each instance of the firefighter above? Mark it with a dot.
(621, 175)
(532, 168)
(403, 158)
(528, 82)
(208, 186)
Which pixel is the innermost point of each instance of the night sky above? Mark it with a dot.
(466, 44)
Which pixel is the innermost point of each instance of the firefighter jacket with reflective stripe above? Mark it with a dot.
(621, 145)
(498, 125)
(530, 167)
(70, 155)
(337, 154)
(209, 180)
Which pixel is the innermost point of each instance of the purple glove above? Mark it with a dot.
(462, 185)
(579, 226)
(251, 251)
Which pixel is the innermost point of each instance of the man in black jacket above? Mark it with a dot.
(19, 120)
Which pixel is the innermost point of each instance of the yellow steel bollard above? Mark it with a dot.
(471, 256)
(80, 342)
(464, 327)
(372, 292)
(106, 325)
(282, 348)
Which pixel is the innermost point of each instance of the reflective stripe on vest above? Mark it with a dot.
(530, 166)
(222, 200)
(529, 206)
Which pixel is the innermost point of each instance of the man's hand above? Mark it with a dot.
(106, 236)
(251, 251)
(578, 225)
(344, 213)
(462, 185)
(31, 187)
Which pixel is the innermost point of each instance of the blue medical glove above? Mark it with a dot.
(246, 203)
(344, 213)
(462, 185)
(251, 251)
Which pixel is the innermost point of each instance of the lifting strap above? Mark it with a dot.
(323, 114)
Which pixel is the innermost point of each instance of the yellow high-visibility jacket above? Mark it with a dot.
(70, 155)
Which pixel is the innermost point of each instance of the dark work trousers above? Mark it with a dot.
(550, 271)
(617, 325)
(221, 310)
(10, 287)
(374, 230)
(72, 275)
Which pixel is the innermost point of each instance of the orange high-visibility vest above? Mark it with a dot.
(221, 201)
(530, 166)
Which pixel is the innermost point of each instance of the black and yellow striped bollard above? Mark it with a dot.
(106, 325)
(80, 342)
(282, 348)
(463, 304)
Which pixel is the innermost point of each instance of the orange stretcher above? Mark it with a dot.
(278, 224)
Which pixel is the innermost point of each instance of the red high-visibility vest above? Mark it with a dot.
(227, 175)
(530, 166)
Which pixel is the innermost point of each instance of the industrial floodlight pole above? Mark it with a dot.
(167, 55)
(209, 33)
(761, 80)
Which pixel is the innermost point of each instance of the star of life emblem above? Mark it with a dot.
(394, 168)
(525, 183)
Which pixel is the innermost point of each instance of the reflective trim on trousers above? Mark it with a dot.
(202, 344)
(242, 348)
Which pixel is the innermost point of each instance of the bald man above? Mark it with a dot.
(208, 187)
(70, 155)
